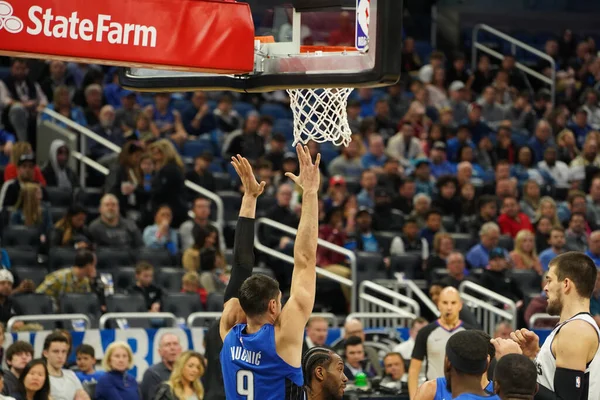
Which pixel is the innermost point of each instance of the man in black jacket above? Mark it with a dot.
(495, 277)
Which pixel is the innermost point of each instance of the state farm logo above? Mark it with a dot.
(8, 21)
(102, 29)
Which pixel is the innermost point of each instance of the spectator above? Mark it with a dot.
(433, 225)
(517, 78)
(93, 103)
(18, 356)
(467, 200)
(475, 123)
(443, 246)
(404, 146)
(58, 76)
(424, 182)
(22, 99)
(62, 104)
(410, 58)
(542, 234)
(246, 142)
(592, 109)
(557, 246)
(365, 240)
(505, 149)
(556, 169)
(458, 71)
(593, 251)
(455, 265)
(521, 114)
(579, 126)
(213, 278)
(589, 155)
(190, 283)
(496, 279)
(576, 235)
(462, 138)
(35, 382)
(144, 286)
(30, 212)
(86, 363)
(478, 255)
(75, 279)
(538, 305)
(345, 34)
(116, 383)
(70, 230)
(64, 384)
(145, 130)
(169, 350)
(439, 164)
(282, 213)
(353, 327)
(355, 363)
(384, 126)
(395, 372)
(349, 164)
(227, 119)
(406, 195)
(161, 235)
(276, 151)
(127, 115)
(375, 158)
(264, 173)
(197, 118)
(410, 241)
(502, 330)
(547, 209)
(316, 333)
(524, 256)
(201, 175)
(7, 310)
(167, 119)
(422, 204)
(492, 112)
(530, 202)
(289, 164)
(125, 181)
(436, 90)
(57, 171)
(541, 141)
(447, 200)
(168, 183)
(185, 379)
(506, 188)
(201, 211)
(12, 170)
(567, 146)
(488, 212)
(368, 182)
(483, 75)
(392, 176)
(511, 221)
(457, 102)
(111, 230)
(109, 130)
(405, 349)
(525, 167)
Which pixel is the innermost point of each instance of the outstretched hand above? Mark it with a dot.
(310, 175)
(249, 182)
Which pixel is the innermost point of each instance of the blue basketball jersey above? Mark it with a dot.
(442, 393)
(253, 370)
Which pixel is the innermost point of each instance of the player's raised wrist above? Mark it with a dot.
(310, 192)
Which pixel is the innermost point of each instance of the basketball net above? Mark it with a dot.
(320, 115)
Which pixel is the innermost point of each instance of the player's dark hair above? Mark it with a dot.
(579, 268)
(467, 352)
(18, 347)
(86, 349)
(54, 337)
(352, 341)
(491, 347)
(256, 293)
(516, 376)
(315, 357)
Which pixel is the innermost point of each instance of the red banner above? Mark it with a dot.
(196, 35)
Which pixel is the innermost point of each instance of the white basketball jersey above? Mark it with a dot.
(546, 362)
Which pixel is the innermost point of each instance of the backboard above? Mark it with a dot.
(297, 44)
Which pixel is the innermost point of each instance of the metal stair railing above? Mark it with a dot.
(482, 305)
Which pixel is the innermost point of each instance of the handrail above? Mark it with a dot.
(321, 242)
(541, 316)
(522, 45)
(86, 160)
(509, 314)
(217, 314)
(86, 132)
(52, 317)
(330, 317)
(391, 316)
(411, 303)
(137, 315)
(412, 288)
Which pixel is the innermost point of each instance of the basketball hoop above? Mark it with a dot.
(320, 115)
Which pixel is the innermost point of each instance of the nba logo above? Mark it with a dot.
(578, 382)
(363, 14)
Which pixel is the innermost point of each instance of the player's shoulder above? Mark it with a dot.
(580, 328)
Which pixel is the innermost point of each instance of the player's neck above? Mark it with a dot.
(572, 307)
(253, 325)
(466, 384)
(316, 394)
(484, 380)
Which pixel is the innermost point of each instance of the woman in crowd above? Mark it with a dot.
(184, 383)
(168, 185)
(204, 238)
(443, 245)
(124, 180)
(467, 199)
(62, 105)
(530, 202)
(19, 149)
(70, 230)
(116, 383)
(567, 146)
(549, 210)
(161, 235)
(438, 97)
(524, 255)
(542, 233)
(34, 382)
(29, 210)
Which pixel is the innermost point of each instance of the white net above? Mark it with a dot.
(320, 115)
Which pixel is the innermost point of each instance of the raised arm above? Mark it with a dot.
(290, 327)
(243, 247)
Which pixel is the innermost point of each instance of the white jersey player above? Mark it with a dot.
(568, 364)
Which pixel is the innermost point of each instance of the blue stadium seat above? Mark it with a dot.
(276, 111)
(194, 148)
(243, 108)
(285, 127)
(181, 104)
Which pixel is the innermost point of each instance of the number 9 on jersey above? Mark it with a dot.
(245, 384)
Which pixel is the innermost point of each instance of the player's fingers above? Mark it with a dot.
(236, 167)
(247, 165)
(514, 337)
(262, 185)
(318, 160)
(291, 176)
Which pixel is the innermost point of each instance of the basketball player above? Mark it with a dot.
(515, 378)
(466, 360)
(437, 389)
(324, 377)
(568, 364)
(261, 359)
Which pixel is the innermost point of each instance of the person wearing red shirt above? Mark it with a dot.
(512, 220)
(345, 35)
(10, 172)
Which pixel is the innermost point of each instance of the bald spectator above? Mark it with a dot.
(375, 157)
(406, 348)
(109, 130)
(455, 265)
(479, 255)
(594, 247)
(316, 333)
(541, 141)
(93, 104)
(169, 349)
(430, 344)
(512, 220)
(576, 236)
(503, 330)
(353, 327)
(112, 230)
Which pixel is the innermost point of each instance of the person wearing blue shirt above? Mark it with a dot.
(463, 136)
(557, 243)
(86, 361)
(62, 105)
(117, 383)
(161, 235)
(433, 225)
(541, 141)
(593, 251)
(368, 182)
(439, 164)
(375, 157)
(476, 125)
(7, 140)
(198, 118)
(479, 255)
(580, 126)
(364, 238)
(423, 179)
